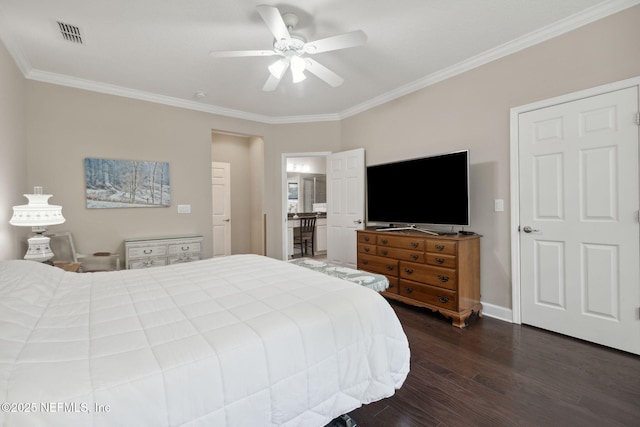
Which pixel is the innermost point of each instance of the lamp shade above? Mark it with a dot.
(38, 213)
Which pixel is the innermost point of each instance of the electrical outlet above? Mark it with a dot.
(184, 209)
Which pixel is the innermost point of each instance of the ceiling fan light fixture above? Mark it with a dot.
(278, 68)
(298, 66)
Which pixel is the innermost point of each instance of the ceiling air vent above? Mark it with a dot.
(70, 32)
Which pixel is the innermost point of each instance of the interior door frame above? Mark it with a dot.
(284, 202)
(515, 174)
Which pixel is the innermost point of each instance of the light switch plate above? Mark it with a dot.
(498, 205)
(185, 209)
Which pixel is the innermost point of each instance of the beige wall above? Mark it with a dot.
(66, 125)
(472, 111)
(13, 155)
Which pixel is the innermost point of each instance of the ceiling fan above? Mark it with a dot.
(293, 49)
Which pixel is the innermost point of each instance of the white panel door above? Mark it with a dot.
(579, 201)
(221, 201)
(345, 205)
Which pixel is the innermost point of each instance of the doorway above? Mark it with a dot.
(245, 156)
(575, 200)
(305, 196)
(345, 206)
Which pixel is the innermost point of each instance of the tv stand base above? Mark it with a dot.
(410, 227)
(440, 273)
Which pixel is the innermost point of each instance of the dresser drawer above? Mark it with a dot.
(401, 254)
(378, 264)
(393, 285)
(367, 248)
(441, 246)
(402, 242)
(184, 247)
(440, 260)
(147, 262)
(423, 273)
(147, 251)
(429, 294)
(369, 238)
(184, 257)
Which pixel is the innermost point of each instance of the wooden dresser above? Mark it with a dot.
(441, 273)
(157, 251)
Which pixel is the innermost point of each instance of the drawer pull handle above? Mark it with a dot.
(408, 290)
(443, 300)
(390, 267)
(385, 252)
(385, 241)
(443, 279)
(415, 244)
(147, 252)
(184, 249)
(367, 249)
(366, 238)
(414, 257)
(440, 247)
(408, 270)
(440, 260)
(365, 262)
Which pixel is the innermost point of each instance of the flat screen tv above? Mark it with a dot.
(430, 190)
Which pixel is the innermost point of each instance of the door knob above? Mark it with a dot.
(528, 229)
(359, 221)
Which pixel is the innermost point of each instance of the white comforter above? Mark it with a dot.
(237, 341)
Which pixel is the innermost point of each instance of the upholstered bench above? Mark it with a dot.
(377, 282)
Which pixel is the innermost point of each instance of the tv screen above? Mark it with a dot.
(428, 190)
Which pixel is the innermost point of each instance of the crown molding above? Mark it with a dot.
(553, 30)
(93, 86)
(543, 34)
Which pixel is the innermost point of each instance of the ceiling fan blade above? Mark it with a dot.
(323, 73)
(342, 41)
(241, 53)
(274, 21)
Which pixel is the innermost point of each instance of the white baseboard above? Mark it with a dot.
(497, 312)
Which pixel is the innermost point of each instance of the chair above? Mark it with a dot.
(66, 257)
(304, 235)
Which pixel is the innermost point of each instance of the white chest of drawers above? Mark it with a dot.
(157, 251)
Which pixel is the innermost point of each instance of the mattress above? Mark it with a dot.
(243, 340)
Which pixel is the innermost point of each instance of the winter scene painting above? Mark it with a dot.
(126, 183)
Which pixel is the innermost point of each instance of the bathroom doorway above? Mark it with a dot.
(305, 196)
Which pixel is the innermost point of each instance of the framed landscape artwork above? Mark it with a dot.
(126, 183)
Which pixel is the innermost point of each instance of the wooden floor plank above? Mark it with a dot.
(496, 373)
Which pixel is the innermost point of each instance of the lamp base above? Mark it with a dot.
(39, 249)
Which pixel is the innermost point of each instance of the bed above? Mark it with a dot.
(243, 340)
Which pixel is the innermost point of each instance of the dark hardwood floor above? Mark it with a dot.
(495, 373)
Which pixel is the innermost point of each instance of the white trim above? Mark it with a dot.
(563, 26)
(548, 32)
(515, 172)
(497, 312)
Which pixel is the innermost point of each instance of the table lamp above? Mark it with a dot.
(38, 214)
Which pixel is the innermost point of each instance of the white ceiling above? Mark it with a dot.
(158, 50)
